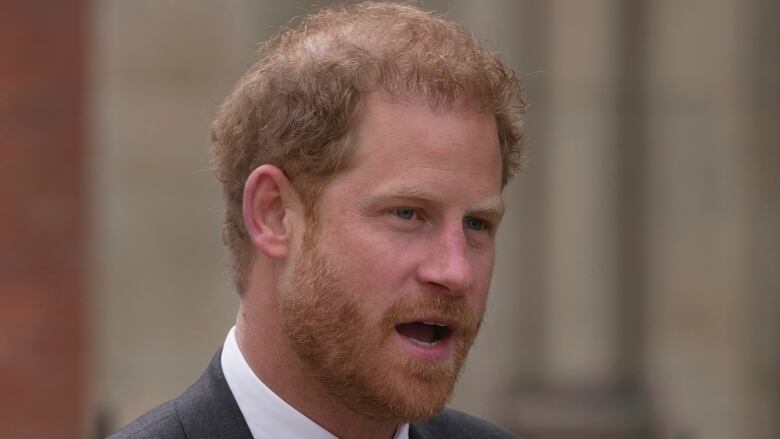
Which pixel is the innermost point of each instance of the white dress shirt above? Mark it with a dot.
(267, 415)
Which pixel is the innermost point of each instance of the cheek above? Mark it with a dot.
(483, 274)
(376, 255)
(373, 269)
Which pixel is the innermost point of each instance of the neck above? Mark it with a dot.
(264, 345)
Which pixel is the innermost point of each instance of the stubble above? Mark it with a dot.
(331, 333)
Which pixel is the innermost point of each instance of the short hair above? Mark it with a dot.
(297, 107)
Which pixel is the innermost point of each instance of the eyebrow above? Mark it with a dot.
(493, 206)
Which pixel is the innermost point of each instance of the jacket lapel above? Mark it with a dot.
(208, 410)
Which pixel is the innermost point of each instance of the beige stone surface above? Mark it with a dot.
(691, 350)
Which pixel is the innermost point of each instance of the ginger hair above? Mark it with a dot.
(297, 107)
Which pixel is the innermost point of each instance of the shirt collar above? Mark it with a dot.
(267, 415)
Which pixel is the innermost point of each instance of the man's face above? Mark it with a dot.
(389, 287)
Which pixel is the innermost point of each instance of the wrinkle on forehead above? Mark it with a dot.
(434, 164)
(492, 204)
(381, 104)
(456, 170)
(429, 154)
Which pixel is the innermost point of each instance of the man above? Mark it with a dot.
(362, 159)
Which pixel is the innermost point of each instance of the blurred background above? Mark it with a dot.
(637, 289)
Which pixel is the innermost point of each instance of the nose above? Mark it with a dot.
(447, 265)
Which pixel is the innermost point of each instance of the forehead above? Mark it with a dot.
(408, 148)
(393, 131)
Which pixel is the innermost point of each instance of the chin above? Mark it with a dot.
(415, 392)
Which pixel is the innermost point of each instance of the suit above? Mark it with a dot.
(208, 410)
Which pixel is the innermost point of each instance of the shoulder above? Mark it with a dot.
(160, 422)
(206, 409)
(453, 424)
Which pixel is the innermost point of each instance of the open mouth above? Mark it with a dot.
(425, 334)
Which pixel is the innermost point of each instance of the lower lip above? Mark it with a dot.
(438, 352)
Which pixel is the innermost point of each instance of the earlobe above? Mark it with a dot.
(267, 197)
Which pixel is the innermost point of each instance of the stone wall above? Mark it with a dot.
(635, 295)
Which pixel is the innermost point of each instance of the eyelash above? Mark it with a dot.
(411, 210)
(481, 225)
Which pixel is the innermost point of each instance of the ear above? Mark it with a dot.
(268, 198)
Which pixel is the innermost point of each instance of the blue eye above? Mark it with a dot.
(405, 213)
(475, 224)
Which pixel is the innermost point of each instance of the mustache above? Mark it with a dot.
(435, 306)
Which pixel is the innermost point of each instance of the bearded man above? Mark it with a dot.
(363, 159)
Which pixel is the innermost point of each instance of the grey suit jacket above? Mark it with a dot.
(207, 410)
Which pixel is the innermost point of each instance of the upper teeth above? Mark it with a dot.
(435, 324)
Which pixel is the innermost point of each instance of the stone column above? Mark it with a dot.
(764, 189)
(579, 388)
(701, 319)
(581, 298)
